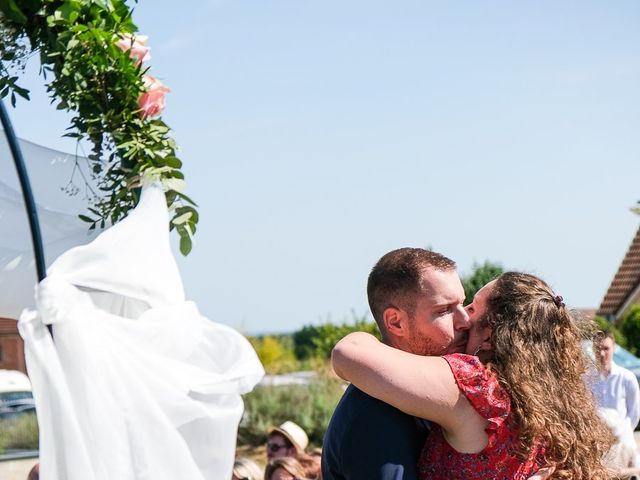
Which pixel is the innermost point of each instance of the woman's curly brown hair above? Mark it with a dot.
(538, 358)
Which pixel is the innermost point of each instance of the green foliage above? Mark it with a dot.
(19, 433)
(310, 406)
(97, 81)
(480, 276)
(631, 329)
(317, 341)
(276, 353)
(606, 326)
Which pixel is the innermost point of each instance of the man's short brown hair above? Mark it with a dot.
(396, 279)
(600, 336)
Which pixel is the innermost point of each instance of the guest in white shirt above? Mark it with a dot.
(616, 387)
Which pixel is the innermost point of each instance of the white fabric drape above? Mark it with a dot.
(49, 171)
(137, 384)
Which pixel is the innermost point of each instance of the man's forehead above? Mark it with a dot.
(441, 285)
(606, 342)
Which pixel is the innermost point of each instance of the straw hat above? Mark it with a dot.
(292, 432)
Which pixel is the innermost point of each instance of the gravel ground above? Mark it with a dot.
(16, 469)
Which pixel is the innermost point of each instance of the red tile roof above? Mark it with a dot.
(625, 282)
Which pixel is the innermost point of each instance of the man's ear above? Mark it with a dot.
(395, 322)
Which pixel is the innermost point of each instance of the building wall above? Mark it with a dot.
(11, 346)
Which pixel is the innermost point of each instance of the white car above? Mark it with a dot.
(15, 394)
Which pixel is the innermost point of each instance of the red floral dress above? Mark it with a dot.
(498, 460)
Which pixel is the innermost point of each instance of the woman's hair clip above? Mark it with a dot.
(559, 301)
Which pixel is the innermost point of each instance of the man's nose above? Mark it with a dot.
(461, 319)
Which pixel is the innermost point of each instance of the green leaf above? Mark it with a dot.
(183, 196)
(172, 162)
(185, 243)
(24, 93)
(12, 11)
(84, 218)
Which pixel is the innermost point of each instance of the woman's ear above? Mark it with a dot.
(486, 344)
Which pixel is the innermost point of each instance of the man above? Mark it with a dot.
(615, 387)
(287, 440)
(416, 298)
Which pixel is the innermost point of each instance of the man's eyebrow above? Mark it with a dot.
(446, 303)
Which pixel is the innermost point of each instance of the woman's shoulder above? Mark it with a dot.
(481, 387)
(468, 367)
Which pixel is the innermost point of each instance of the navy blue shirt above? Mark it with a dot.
(370, 440)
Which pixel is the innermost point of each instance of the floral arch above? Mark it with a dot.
(96, 67)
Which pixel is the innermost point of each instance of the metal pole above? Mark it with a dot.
(30, 205)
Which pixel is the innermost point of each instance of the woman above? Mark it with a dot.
(516, 402)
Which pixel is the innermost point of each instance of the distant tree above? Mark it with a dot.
(480, 276)
(631, 329)
(606, 326)
(275, 353)
(317, 341)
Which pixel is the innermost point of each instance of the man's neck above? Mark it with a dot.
(395, 343)
(605, 370)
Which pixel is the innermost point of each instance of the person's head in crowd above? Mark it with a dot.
(603, 347)
(34, 473)
(417, 300)
(287, 440)
(284, 468)
(246, 469)
(311, 463)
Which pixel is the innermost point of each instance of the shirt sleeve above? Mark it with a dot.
(481, 388)
(632, 399)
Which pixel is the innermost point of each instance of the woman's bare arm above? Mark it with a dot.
(420, 386)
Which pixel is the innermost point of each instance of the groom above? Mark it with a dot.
(416, 298)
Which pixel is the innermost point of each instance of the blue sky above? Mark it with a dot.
(317, 136)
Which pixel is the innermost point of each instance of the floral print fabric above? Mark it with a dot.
(498, 460)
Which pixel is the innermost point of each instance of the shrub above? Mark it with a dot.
(606, 326)
(479, 277)
(317, 341)
(310, 406)
(631, 329)
(19, 433)
(275, 353)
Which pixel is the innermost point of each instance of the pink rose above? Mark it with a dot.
(136, 46)
(151, 102)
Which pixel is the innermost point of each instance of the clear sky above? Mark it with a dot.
(318, 135)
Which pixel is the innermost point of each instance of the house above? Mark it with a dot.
(624, 289)
(11, 346)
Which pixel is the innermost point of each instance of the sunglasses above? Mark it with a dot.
(275, 447)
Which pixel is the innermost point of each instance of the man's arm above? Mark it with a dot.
(632, 397)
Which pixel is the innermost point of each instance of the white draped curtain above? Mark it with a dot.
(136, 384)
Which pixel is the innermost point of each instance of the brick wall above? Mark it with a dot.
(11, 346)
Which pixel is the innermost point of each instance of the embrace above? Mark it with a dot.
(493, 390)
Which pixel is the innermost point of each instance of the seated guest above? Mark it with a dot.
(287, 440)
(285, 468)
(34, 473)
(246, 469)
